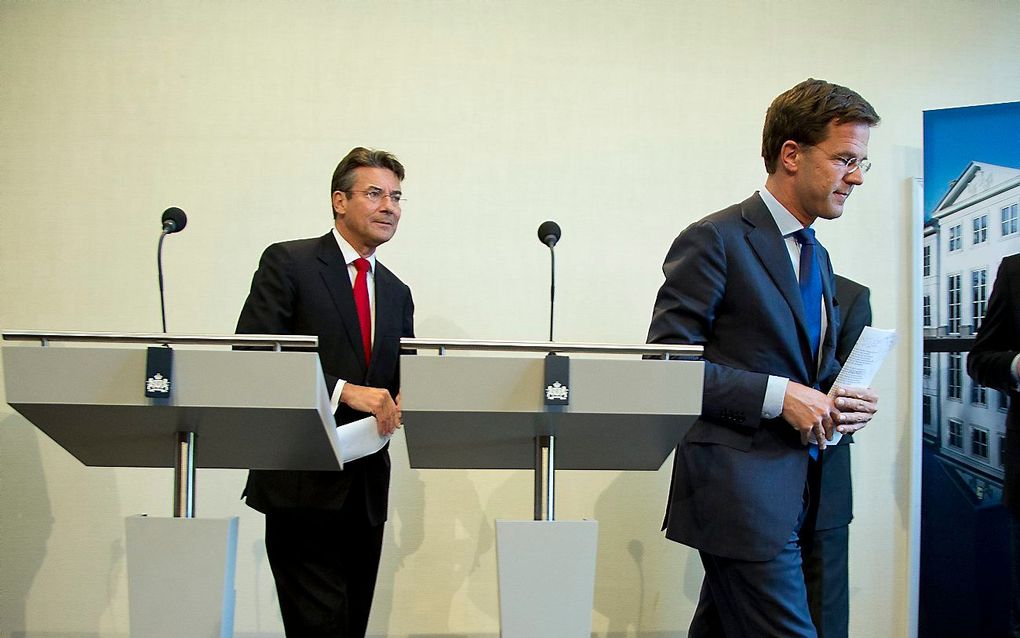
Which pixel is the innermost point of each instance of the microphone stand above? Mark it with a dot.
(159, 266)
(184, 450)
(545, 445)
(552, 287)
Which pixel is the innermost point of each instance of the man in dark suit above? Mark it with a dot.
(324, 530)
(752, 286)
(994, 361)
(826, 556)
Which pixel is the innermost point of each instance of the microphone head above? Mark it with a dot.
(549, 233)
(174, 220)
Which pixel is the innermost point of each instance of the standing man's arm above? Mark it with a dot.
(269, 307)
(685, 311)
(407, 330)
(992, 360)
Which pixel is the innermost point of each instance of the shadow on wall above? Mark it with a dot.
(30, 531)
(27, 520)
(633, 556)
(459, 537)
(404, 536)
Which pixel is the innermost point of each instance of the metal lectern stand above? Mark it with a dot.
(475, 412)
(227, 409)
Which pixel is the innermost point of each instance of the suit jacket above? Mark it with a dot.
(835, 507)
(303, 287)
(990, 361)
(738, 479)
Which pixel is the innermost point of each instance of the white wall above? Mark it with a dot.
(624, 121)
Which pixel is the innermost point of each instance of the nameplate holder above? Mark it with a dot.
(557, 380)
(159, 368)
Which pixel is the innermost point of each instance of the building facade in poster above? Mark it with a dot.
(972, 228)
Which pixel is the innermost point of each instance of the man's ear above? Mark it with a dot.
(790, 154)
(339, 204)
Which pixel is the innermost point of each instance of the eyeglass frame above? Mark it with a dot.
(376, 195)
(851, 164)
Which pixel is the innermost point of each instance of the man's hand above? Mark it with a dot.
(856, 408)
(809, 412)
(375, 401)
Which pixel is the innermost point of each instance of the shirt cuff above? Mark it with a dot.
(775, 392)
(334, 399)
(1013, 372)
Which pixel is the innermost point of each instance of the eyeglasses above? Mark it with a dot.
(376, 195)
(852, 164)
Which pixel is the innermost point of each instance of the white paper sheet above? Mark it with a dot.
(870, 351)
(360, 438)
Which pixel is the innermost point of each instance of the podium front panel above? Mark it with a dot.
(485, 412)
(249, 409)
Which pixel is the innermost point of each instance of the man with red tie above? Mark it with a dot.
(324, 530)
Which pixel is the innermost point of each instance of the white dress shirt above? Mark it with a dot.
(349, 256)
(775, 392)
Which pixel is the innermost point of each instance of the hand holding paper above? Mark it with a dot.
(851, 390)
(360, 438)
(856, 407)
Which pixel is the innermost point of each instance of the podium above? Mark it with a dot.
(495, 412)
(226, 409)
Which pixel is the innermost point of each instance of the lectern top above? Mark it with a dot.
(673, 351)
(277, 341)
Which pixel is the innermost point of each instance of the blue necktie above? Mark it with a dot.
(811, 295)
(810, 290)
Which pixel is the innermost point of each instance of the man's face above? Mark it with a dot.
(822, 182)
(367, 216)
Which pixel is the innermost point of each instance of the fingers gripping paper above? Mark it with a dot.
(870, 351)
(360, 438)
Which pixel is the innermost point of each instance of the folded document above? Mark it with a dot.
(870, 351)
(360, 438)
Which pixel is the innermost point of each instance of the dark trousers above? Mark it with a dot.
(826, 574)
(751, 599)
(325, 569)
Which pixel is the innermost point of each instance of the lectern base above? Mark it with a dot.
(546, 578)
(181, 576)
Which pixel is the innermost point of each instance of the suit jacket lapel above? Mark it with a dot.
(828, 294)
(338, 283)
(387, 316)
(770, 247)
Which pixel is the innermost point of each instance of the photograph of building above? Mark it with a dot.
(972, 221)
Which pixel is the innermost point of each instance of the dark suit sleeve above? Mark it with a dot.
(408, 322)
(685, 312)
(270, 306)
(855, 314)
(990, 360)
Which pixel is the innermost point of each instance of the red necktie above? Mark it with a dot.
(364, 309)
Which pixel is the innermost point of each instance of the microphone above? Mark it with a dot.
(548, 233)
(174, 220)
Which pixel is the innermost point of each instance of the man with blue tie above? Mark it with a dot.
(754, 287)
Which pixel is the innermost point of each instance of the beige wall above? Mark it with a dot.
(624, 121)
